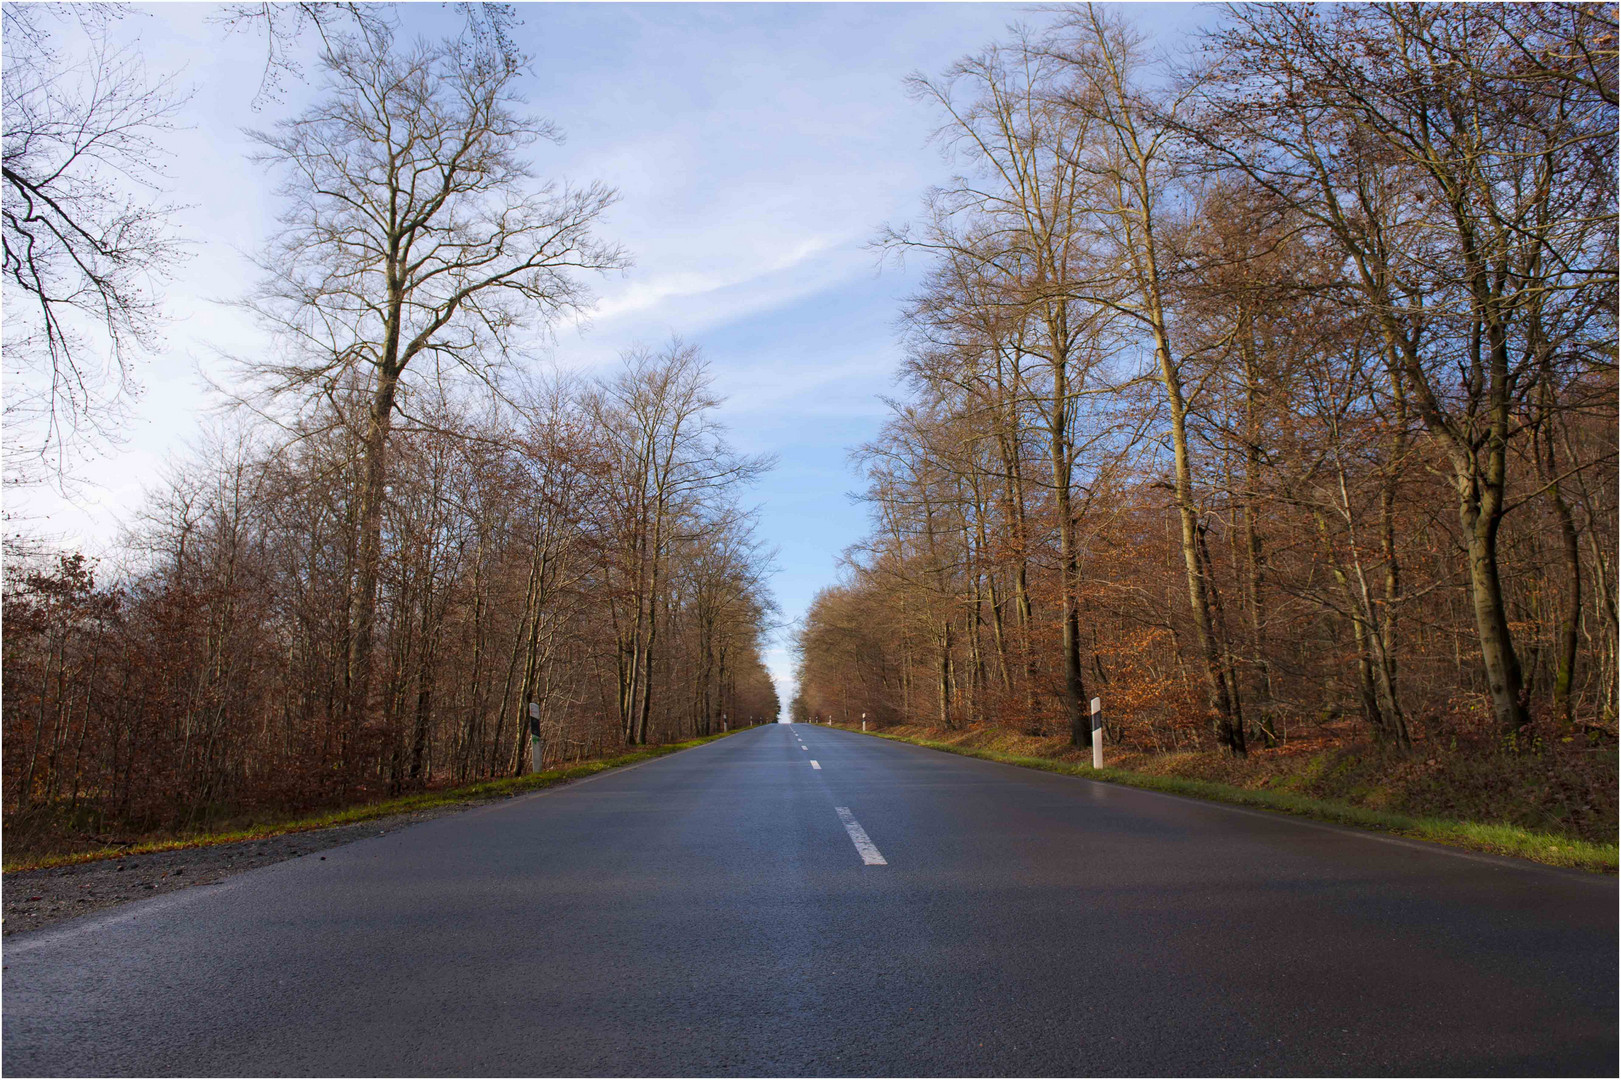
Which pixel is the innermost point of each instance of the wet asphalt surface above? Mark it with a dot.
(708, 913)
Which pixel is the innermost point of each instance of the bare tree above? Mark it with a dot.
(1464, 162)
(285, 25)
(1134, 193)
(669, 462)
(86, 233)
(1013, 217)
(415, 231)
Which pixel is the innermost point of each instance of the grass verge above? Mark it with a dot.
(406, 804)
(1547, 848)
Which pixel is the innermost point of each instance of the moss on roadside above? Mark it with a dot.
(1284, 797)
(349, 815)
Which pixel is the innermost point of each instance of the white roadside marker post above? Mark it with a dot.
(534, 737)
(1097, 733)
(863, 722)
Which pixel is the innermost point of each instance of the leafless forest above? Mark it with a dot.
(1262, 390)
(401, 536)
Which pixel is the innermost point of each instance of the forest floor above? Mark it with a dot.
(1556, 803)
(82, 875)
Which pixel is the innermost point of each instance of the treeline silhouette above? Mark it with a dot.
(583, 550)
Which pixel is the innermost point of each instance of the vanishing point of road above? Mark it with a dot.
(795, 900)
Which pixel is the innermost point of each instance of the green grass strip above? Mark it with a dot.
(1546, 848)
(427, 800)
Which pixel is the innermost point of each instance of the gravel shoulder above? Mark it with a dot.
(34, 899)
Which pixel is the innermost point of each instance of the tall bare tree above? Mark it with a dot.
(1011, 218)
(415, 232)
(1133, 195)
(669, 461)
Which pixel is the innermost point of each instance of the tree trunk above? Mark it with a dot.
(1228, 734)
(1074, 695)
(1570, 626)
(1505, 682)
(374, 477)
(1262, 696)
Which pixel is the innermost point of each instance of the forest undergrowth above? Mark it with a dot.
(56, 840)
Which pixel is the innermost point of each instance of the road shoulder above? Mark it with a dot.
(1499, 841)
(33, 899)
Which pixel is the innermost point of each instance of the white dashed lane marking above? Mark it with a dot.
(858, 836)
(814, 765)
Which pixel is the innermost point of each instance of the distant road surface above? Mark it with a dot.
(853, 907)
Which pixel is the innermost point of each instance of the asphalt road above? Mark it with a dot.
(714, 912)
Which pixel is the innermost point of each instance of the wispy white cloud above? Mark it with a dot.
(649, 296)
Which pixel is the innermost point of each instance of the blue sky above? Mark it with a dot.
(757, 149)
